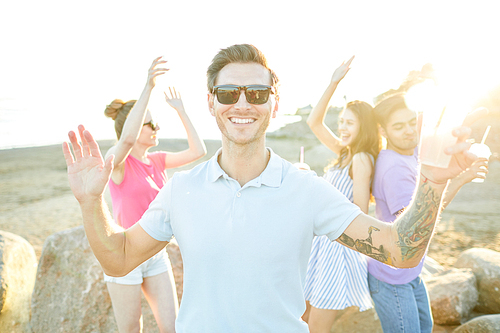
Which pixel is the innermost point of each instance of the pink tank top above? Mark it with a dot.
(141, 183)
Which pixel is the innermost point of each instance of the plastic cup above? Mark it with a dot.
(433, 142)
(480, 150)
(302, 166)
(436, 134)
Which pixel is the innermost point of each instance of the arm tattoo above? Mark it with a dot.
(415, 227)
(365, 246)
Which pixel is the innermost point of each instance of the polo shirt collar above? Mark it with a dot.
(271, 176)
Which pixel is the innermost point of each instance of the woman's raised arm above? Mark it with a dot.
(196, 148)
(316, 119)
(135, 119)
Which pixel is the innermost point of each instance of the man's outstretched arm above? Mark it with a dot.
(403, 243)
(118, 250)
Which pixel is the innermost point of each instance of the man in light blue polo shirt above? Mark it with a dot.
(245, 219)
(245, 248)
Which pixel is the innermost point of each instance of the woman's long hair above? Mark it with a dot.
(368, 139)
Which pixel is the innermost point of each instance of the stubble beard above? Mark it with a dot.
(258, 135)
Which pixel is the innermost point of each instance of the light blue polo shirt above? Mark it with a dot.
(245, 249)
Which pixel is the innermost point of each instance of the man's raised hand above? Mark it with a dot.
(461, 159)
(88, 173)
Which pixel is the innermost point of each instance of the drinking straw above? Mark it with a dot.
(301, 158)
(440, 117)
(485, 134)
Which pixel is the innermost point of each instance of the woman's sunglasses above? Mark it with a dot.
(255, 93)
(150, 123)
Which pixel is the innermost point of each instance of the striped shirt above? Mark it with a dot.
(336, 275)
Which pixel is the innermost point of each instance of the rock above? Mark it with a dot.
(17, 278)
(483, 324)
(453, 295)
(431, 267)
(70, 294)
(486, 267)
(351, 320)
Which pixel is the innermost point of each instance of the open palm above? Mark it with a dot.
(461, 158)
(174, 100)
(88, 174)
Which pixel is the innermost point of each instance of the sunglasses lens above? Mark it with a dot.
(228, 95)
(257, 94)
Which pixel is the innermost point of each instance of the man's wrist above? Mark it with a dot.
(90, 201)
(426, 179)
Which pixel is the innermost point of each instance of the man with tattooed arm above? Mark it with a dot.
(245, 219)
(400, 296)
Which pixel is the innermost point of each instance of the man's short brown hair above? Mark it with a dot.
(388, 106)
(239, 53)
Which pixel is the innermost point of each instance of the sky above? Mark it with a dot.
(66, 60)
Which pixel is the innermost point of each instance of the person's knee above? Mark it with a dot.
(130, 325)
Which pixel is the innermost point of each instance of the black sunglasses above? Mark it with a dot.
(150, 123)
(230, 94)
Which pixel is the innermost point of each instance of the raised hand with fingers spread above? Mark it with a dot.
(88, 173)
(155, 71)
(174, 100)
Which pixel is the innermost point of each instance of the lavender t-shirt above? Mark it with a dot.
(393, 187)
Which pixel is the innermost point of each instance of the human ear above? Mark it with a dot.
(382, 131)
(275, 108)
(210, 100)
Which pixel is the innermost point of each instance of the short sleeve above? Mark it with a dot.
(159, 158)
(156, 220)
(398, 186)
(334, 212)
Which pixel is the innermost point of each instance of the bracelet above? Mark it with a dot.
(425, 179)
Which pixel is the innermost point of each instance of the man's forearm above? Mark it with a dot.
(414, 228)
(106, 238)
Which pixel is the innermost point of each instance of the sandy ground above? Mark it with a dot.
(35, 199)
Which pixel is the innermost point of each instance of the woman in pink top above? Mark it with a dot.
(137, 177)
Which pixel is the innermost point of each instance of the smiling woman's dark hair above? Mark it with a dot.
(368, 139)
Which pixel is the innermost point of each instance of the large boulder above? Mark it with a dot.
(17, 278)
(486, 267)
(70, 294)
(482, 324)
(431, 267)
(453, 295)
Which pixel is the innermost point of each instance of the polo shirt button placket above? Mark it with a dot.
(238, 194)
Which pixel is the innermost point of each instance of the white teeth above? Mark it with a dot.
(241, 121)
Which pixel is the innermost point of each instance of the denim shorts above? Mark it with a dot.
(401, 308)
(155, 265)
